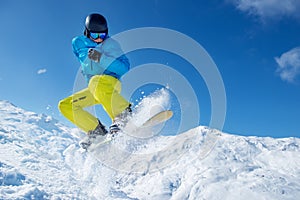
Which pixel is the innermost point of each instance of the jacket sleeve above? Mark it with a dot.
(113, 58)
(80, 48)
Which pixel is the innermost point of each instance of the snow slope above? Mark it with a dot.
(40, 159)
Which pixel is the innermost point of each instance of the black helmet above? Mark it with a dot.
(95, 23)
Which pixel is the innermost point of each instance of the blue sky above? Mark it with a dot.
(255, 45)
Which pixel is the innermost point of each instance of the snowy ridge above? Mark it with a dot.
(40, 159)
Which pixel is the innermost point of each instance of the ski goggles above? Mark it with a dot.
(98, 35)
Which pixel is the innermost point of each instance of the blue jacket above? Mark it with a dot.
(113, 62)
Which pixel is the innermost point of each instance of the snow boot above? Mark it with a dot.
(100, 130)
(120, 120)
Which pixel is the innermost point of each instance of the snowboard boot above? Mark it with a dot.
(120, 120)
(100, 130)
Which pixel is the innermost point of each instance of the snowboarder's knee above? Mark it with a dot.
(64, 105)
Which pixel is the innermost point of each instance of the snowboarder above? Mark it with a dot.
(102, 64)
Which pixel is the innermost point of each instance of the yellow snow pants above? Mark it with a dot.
(102, 89)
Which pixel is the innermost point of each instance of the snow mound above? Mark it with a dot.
(40, 159)
(32, 165)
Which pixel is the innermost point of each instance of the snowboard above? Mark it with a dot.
(158, 118)
(154, 120)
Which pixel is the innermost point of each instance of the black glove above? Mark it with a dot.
(94, 55)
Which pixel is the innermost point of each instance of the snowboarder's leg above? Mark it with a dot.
(106, 90)
(72, 108)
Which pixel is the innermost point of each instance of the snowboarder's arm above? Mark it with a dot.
(80, 46)
(113, 58)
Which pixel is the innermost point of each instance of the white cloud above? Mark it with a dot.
(269, 9)
(289, 65)
(41, 71)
